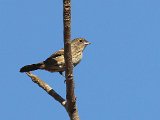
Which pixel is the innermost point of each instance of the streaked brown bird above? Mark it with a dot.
(56, 63)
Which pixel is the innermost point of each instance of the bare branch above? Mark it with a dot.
(47, 88)
(70, 96)
(70, 103)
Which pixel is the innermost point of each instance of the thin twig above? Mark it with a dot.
(47, 88)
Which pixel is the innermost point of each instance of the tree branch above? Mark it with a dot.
(70, 96)
(47, 88)
(70, 103)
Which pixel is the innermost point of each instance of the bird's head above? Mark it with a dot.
(79, 43)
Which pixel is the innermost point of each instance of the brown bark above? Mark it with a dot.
(47, 88)
(70, 96)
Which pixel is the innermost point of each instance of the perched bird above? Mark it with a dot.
(56, 63)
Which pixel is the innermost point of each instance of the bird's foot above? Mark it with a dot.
(62, 73)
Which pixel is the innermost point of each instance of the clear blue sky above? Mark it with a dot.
(119, 76)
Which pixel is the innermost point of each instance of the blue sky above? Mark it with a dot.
(118, 78)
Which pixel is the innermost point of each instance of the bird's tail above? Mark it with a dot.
(32, 67)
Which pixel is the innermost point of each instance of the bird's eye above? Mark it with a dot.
(80, 40)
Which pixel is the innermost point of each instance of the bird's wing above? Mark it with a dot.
(52, 60)
(58, 53)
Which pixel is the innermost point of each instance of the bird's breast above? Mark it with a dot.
(76, 58)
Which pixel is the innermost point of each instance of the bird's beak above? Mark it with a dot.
(87, 43)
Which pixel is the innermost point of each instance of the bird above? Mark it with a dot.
(56, 62)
